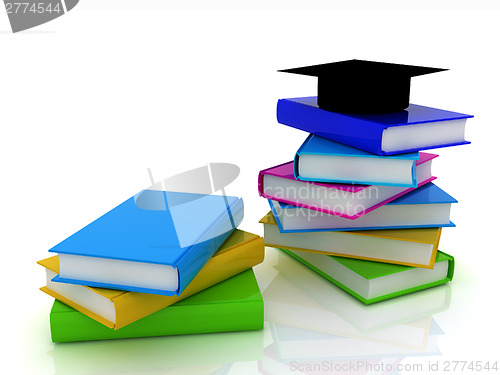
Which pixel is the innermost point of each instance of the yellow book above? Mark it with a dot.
(415, 247)
(117, 308)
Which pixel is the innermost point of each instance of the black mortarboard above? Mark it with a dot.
(358, 86)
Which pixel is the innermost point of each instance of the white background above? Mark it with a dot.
(90, 100)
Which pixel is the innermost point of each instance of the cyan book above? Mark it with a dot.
(425, 207)
(320, 159)
(156, 251)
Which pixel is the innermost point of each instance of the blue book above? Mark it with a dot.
(157, 250)
(414, 129)
(425, 207)
(322, 160)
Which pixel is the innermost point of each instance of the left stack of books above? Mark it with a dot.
(357, 204)
(161, 263)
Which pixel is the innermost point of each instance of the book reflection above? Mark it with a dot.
(212, 353)
(312, 320)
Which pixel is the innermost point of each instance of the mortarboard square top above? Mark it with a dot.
(363, 87)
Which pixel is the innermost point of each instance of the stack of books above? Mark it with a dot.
(161, 263)
(357, 204)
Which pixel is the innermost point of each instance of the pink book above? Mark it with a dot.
(345, 200)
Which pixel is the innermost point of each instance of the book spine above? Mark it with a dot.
(200, 253)
(451, 267)
(262, 173)
(435, 248)
(361, 134)
(297, 157)
(296, 161)
(414, 174)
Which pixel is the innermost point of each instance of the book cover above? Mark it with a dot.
(232, 305)
(354, 275)
(241, 251)
(367, 132)
(136, 241)
(425, 207)
(344, 200)
(322, 160)
(410, 247)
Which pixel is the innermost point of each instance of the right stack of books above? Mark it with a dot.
(357, 204)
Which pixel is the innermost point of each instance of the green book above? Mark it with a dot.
(372, 282)
(232, 305)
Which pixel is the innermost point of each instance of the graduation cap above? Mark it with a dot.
(359, 86)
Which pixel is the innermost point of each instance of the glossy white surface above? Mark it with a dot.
(91, 100)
